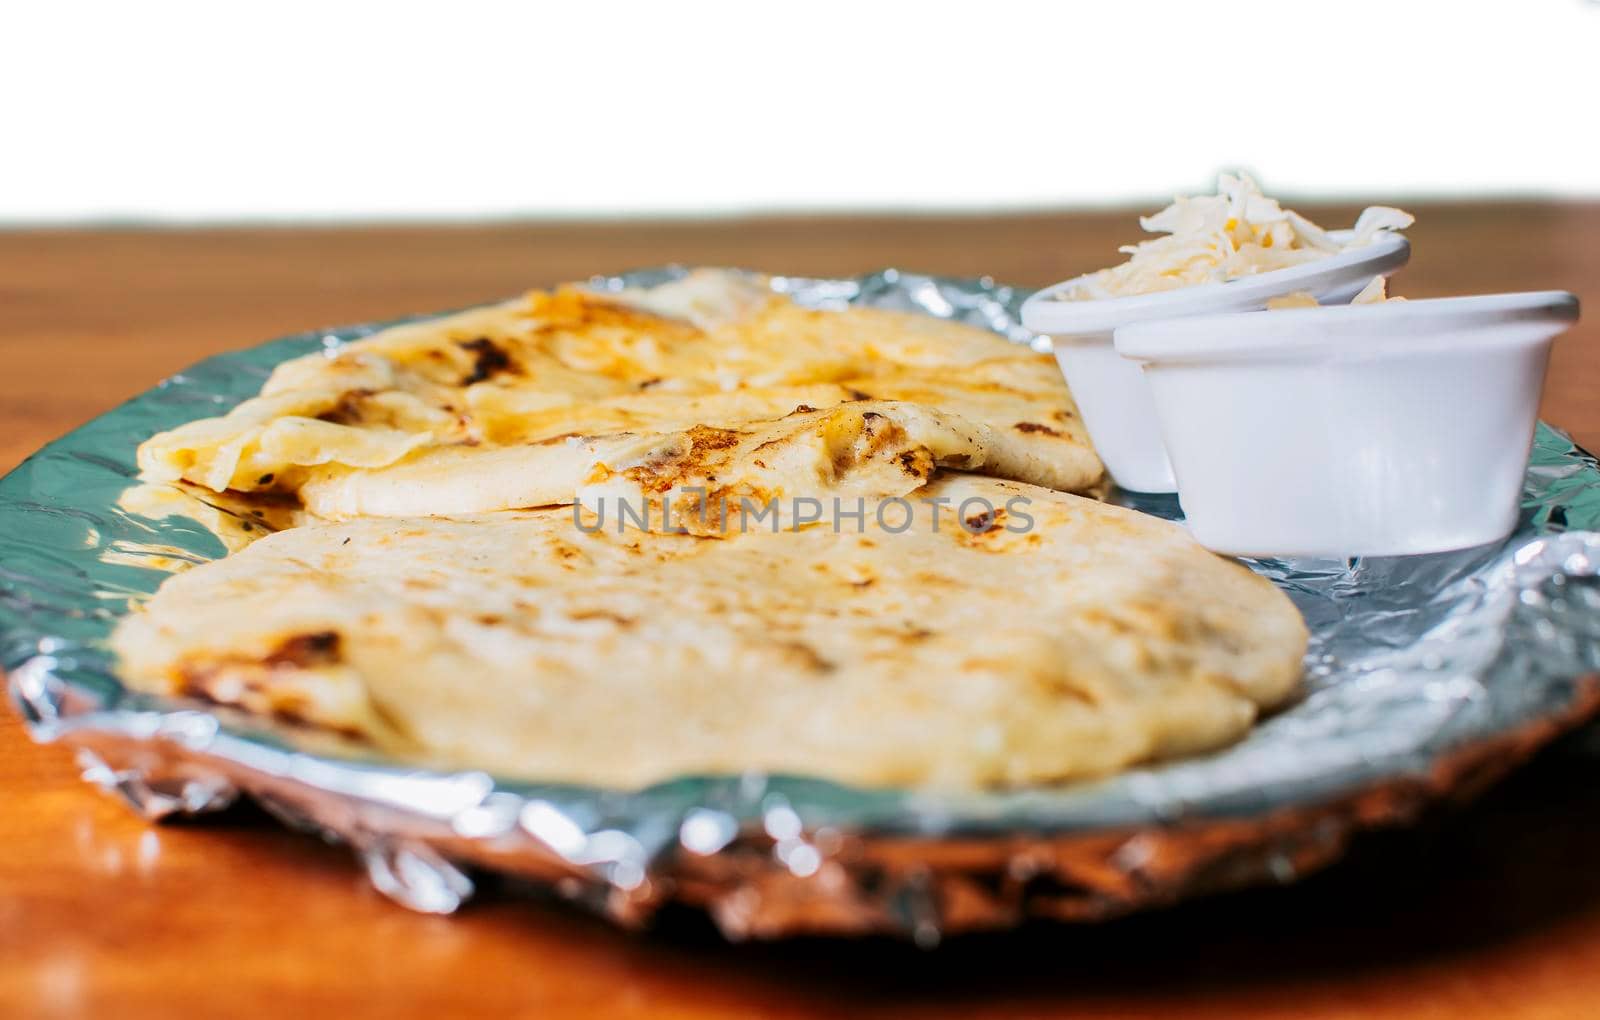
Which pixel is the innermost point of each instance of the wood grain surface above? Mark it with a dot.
(1490, 911)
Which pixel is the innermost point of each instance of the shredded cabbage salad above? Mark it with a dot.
(1376, 292)
(1216, 238)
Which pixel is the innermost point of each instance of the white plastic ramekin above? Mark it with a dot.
(1363, 430)
(1111, 393)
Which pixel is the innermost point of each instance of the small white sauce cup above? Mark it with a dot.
(1110, 391)
(1362, 430)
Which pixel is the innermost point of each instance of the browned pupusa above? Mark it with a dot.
(865, 448)
(1033, 637)
(441, 405)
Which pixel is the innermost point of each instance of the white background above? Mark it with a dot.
(205, 111)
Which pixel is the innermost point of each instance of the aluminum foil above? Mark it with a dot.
(1427, 677)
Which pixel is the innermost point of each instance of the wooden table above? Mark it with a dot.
(1490, 912)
